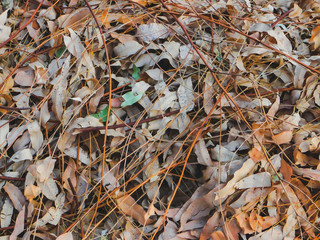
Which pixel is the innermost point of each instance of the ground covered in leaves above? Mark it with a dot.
(144, 119)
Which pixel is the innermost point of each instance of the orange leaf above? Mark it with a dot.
(255, 155)
(283, 138)
(218, 235)
(315, 38)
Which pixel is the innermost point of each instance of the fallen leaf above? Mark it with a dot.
(65, 236)
(5, 30)
(129, 207)
(4, 125)
(222, 154)
(202, 153)
(254, 181)
(6, 213)
(19, 224)
(35, 134)
(124, 50)
(315, 38)
(283, 138)
(152, 31)
(229, 189)
(15, 195)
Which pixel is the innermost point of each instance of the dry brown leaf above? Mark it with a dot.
(99, 92)
(286, 170)
(259, 223)
(315, 38)
(274, 233)
(304, 159)
(31, 191)
(19, 224)
(75, 20)
(128, 206)
(53, 214)
(202, 153)
(242, 219)
(170, 231)
(302, 192)
(229, 189)
(282, 41)
(274, 108)
(210, 227)
(256, 155)
(283, 138)
(232, 229)
(218, 235)
(15, 195)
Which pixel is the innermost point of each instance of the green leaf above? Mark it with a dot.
(275, 177)
(136, 72)
(130, 98)
(102, 114)
(60, 51)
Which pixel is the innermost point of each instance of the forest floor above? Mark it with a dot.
(170, 119)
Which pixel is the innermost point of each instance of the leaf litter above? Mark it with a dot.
(159, 119)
